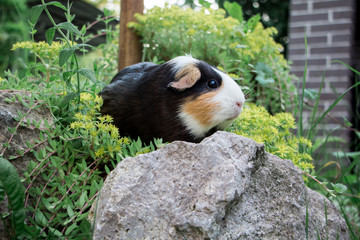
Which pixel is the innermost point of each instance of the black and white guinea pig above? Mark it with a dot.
(182, 99)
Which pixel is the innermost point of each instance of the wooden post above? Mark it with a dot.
(130, 48)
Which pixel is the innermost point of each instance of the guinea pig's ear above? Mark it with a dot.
(186, 77)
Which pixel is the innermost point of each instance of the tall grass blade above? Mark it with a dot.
(349, 67)
(348, 223)
(332, 106)
(307, 217)
(326, 220)
(301, 100)
(349, 168)
(339, 98)
(310, 135)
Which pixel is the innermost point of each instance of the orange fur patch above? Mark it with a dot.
(186, 77)
(202, 108)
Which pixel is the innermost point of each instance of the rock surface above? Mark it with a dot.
(226, 187)
(8, 114)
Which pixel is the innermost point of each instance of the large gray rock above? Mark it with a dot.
(226, 187)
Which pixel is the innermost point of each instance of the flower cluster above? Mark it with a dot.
(275, 133)
(41, 49)
(101, 136)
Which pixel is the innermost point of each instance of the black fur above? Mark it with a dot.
(143, 105)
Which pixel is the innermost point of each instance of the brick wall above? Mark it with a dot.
(328, 25)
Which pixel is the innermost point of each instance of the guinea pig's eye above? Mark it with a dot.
(212, 84)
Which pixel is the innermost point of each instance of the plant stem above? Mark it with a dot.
(68, 43)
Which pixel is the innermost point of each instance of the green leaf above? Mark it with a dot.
(346, 154)
(323, 140)
(49, 35)
(107, 170)
(88, 74)
(47, 204)
(77, 46)
(264, 81)
(357, 134)
(319, 119)
(70, 211)
(70, 229)
(338, 187)
(234, 10)
(64, 55)
(82, 199)
(252, 22)
(56, 4)
(67, 76)
(83, 30)
(35, 13)
(107, 12)
(68, 98)
(85, 227)
(69, 27)
(56, 232)
(10, 184)
(204, 3)
(264, 74)
(311, 93)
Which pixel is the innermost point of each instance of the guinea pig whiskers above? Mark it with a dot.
(247, 93)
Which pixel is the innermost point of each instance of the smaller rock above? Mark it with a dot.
(8, 114)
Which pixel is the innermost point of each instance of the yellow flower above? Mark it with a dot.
(89, 125)
(191, 32)
(274, 132)
(86, 96)
(305, 141)
(282, 149)
(74, 125)
(98, 99)
(42, 49)
(100, 152)
(286, 120)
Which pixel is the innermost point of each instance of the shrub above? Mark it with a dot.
(275, 132)
(246, 50)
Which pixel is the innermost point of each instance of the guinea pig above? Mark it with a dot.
(182, 99)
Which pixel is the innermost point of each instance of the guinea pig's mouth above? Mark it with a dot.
(232, 118)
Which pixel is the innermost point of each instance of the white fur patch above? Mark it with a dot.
(196, 129)
(228, 97)
(182, 61)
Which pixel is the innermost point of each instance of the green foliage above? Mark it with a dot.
(246, 50)
(13, 189)
(13, 28)
(74, 154)
(274, 13)
(275, 132)
(342, 183)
